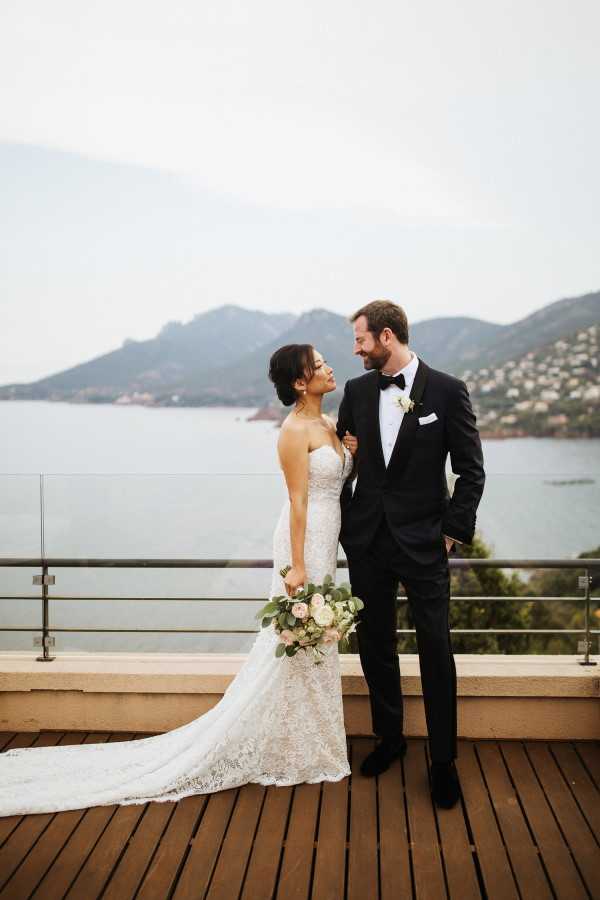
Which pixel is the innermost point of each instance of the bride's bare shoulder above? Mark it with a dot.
(294, 435)
(293, 428)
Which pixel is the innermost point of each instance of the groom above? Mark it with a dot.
(400, 524)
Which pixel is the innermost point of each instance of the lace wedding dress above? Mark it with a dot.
(279, 722)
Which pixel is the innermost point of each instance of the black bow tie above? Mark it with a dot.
(386, 380)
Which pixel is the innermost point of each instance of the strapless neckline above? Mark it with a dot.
(324, 446)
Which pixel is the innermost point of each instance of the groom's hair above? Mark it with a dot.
(382, 314)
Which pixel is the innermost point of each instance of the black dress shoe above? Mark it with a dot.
(382, 756)
(445, 786)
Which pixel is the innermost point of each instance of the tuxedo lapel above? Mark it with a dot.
(410, 422)
(373, 430)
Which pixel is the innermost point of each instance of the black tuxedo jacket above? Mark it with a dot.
(412, 491)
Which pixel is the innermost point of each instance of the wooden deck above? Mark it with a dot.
(527, 826)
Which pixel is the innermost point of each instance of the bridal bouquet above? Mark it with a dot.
(316, 616)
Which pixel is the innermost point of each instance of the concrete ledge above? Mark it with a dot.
(549, 697)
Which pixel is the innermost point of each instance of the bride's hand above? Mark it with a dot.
(351, 442)
(295, 578)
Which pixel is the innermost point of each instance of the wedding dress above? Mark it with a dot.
(280, 721)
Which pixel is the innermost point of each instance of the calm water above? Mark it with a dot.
(140, 482)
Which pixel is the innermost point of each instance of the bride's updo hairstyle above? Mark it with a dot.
(287, 365)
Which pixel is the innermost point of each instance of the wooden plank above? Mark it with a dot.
(130, 869)
(330, 862)
(428, 872)
(457, 853)
(231, 866)
(394, 853)
(9, 823)
(206, 845)
(296, 866)
(589, 753)
(166, 863)
(97, 868)
(28, 827)
(579, 781)
(34, 867)
(363, 879)
(557, 860)
(524, 858)
(80, 843)
(576, 830)
(5, 738)
(493, 860)
(261, 877)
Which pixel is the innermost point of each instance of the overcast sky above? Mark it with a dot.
(160, 159)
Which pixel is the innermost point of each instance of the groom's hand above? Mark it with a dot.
(449, 543)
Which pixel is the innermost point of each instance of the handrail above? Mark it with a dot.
(45, 563)
(174, 563)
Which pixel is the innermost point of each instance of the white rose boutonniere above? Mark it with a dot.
(405, 403)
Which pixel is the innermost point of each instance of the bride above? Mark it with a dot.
(280, 721)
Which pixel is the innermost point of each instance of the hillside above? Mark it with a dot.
(179, 357)
(221, 358)
(551, 392)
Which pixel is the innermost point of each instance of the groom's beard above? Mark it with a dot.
(376, 358)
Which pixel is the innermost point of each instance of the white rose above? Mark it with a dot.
(317, 601)
(323, 616)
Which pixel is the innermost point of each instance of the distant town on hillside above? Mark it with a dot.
(538, 376)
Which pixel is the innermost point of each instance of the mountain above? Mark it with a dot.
(180, 356)
(556, 320)
(221, 357)
(446, 342)
(329, 332)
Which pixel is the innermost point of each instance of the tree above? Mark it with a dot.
(562, 614)
(485, 614)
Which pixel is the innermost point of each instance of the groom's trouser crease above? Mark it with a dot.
(374, 577)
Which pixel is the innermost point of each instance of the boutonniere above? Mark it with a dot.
(405, 403)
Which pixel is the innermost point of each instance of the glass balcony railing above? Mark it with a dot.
(138, 518)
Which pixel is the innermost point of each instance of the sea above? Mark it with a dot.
(89, 481)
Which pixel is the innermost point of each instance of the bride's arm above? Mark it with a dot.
(293, 446)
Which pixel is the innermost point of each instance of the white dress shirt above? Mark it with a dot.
(390, 414)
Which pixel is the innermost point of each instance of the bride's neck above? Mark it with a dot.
(309, 407)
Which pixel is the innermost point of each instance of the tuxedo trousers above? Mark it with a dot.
(374, 577)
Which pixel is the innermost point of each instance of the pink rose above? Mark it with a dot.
(288, 637)
(317, 601)
(300, 610)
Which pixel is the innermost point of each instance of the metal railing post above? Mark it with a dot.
(45, 579)
(586, 661)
